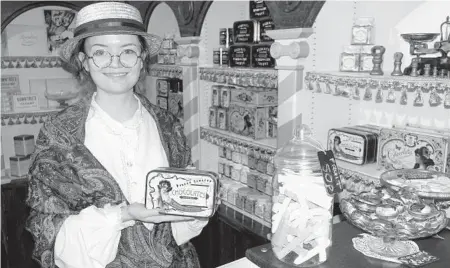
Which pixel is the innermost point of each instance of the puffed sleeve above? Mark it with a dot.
(90, 239)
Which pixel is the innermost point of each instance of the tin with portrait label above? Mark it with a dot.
(182, 192)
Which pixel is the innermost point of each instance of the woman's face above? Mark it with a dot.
(116, 78)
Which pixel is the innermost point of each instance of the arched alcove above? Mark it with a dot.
(44, 27)
(162, 21)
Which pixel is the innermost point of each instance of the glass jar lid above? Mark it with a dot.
(300, 153)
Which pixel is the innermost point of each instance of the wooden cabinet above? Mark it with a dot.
(17, 243)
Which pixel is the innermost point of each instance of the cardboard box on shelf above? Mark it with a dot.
(24, 40)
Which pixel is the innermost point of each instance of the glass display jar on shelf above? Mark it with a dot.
(302, 210)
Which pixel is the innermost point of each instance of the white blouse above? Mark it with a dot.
(91, 238)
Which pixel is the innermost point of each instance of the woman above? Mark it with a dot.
(86, 190)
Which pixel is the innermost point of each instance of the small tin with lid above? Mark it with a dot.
(19, 165)
(24, 145)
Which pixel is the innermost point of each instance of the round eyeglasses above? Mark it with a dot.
(102, 58)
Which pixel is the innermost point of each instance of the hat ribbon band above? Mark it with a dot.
(105, 24)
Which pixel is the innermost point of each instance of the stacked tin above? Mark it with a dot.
(170, 95)
(20, 163)
(168, 52)
(247, 43)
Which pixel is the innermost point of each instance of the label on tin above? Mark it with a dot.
(261, 57)
(240, 56)
(244, 31)
(265, 25)
(258, 9)
(181, 193)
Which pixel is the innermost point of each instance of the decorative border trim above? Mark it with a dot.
(170, 71)
(242, 77)
(38, 117)
(31, 62)
(357, 86)
(238, 145)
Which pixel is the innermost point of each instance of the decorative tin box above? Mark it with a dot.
(258, 9)
(240, 56)
(409, 148)
(246, 31)
(225, 96)
(215, 96)
(254, 97)
(265, 25)
(213, 117)
(162, 102)
(162, 87)
(248, 120)
(176, 104)
(23, 145)
(222, 120)
(352, 145)
(182, 192)
(24, 40)
(19, 165)
(261, 57)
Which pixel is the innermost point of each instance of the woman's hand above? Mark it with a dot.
(138, 212)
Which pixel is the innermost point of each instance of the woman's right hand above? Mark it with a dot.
(138, 212)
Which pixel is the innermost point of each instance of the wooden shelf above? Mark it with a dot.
(224, 138)
(363, 86)
(10, 62)
(32, 117)
(245, 77)
(166, 71)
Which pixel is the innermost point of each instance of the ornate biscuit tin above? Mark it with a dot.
(413, 148)
(352, 146)
(23, 145)
(252, 96)
(215, 96)
(225, 96)
(248, 120)
(182, 192)
(261, 57)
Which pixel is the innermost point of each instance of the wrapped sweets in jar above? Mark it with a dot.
(302, 210)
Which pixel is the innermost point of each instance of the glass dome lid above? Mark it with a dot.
(300, 153)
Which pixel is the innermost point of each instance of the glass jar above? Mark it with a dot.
(350, 59)
(301, 208)
(363, 31)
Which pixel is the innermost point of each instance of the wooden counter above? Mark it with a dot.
(343, 254)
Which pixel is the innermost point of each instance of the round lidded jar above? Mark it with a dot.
(301, 208)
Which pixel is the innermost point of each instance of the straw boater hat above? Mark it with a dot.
(109, 18)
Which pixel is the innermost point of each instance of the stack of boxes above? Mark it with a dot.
(358, 56)
(20, 163)
(168, 52)
(247, 43)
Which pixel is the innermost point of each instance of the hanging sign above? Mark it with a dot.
(330, 172)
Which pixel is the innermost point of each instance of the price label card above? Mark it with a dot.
(330, 172)
(23, 103)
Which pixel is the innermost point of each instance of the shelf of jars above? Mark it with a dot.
(265, 148)
(245, 77)
(32, 117)
(166, 71)
(10, 62)
(404, 90)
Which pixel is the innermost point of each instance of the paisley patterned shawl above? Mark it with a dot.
(65, 178)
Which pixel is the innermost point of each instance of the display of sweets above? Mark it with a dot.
(168, 52)
(302, 210)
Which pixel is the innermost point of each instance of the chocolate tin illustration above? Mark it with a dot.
(182, 192)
